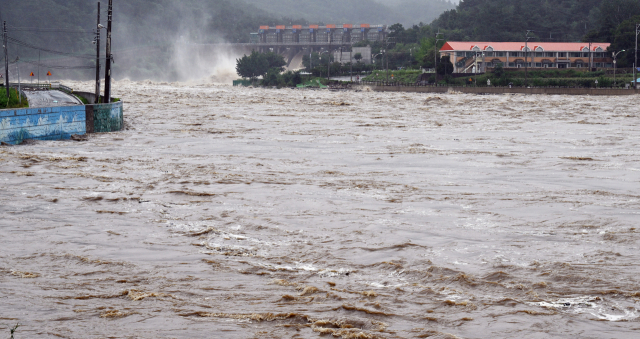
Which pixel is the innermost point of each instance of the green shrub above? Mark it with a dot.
(13, 101)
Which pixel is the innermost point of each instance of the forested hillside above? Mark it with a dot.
(508, 20)
(558, 20)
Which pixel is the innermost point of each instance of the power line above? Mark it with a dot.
(25, 44)
(48, 30)
(57, 67)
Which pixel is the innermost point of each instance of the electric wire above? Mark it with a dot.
(47, 30)
(25, 44)
(58, 67)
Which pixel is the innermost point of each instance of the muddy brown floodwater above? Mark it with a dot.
(224, 212)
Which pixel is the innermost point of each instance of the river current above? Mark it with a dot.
(222, 212)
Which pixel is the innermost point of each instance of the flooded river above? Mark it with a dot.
(224, 212)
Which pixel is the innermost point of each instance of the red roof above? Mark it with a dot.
(518, 46)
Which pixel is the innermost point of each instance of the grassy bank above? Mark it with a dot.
(518, 79)
(400, 76)
(13, 101)
(537, 78)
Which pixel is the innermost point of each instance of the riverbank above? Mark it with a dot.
(380, 87)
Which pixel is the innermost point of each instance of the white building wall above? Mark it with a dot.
(344, 56)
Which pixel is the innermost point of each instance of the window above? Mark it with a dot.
(539, 54)
(549, 54)
(538, 64)
(500, 54)
(574, 54)
(585, 55)
(562, 54)
(513, 54)
(489, 54)
(512, 64)
(469, 54)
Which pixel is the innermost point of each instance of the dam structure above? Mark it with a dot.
(314, 37)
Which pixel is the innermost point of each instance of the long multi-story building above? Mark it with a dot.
(336, 34)
(465, 55)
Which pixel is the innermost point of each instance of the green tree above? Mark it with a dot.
(498, 71)
(275, 60)
(252, 66)
(445, 67)
(625, 36)
(272, 77)
(358, 56)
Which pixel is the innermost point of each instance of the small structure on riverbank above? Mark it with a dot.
(59, 122)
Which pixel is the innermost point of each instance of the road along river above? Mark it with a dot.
(262, 213)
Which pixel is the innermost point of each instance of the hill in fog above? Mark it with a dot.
(407, 12)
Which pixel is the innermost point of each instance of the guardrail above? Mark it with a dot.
(57, 86)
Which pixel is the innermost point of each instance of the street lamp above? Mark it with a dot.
(320, 57)
(526, 55)
(635, 63)
(615, 55)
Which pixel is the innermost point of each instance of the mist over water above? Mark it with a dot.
(206, 63)
(240, 212)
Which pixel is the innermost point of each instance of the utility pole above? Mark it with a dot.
(6, 58)
(526, 56)
(19, 83)
(435, 56)
(97, 42)
(107, 73)
(329, 54)
(590, 57)
(386, 54)
(38, 68)
(635, 63)
(350, 62)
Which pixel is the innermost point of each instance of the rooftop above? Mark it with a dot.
(519, 46)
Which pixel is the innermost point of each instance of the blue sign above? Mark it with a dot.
(310, 30)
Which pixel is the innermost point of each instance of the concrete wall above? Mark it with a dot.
(52, 123)
(59, 123)
(105, 117)
(506, 90)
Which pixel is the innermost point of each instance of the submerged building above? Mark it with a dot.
(466, 55)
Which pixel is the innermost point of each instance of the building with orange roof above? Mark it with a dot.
(465, 55)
